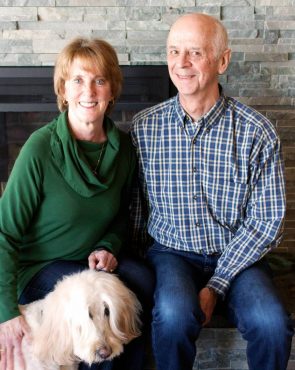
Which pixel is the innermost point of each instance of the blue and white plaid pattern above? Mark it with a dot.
(213, 186)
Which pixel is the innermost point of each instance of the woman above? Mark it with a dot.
(65, 205)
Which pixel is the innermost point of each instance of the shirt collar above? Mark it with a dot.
(210, 118)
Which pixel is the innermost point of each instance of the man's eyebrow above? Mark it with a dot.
(189, 48)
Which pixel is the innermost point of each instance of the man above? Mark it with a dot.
(211, 174)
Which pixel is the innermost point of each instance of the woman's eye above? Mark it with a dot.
(100, 81)
(77, 80)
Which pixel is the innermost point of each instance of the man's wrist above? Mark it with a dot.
(213, 291)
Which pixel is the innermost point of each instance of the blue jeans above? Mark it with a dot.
(137, 276)
(252, 304)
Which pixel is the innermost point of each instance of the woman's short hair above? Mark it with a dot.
(93, 53)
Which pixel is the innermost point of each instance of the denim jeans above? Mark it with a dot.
(251, 302)
(137, 276)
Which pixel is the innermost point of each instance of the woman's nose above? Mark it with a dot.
(90, 88)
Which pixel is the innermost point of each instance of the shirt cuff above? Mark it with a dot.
(218, 284)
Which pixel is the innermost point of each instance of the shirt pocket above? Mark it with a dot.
(226, 202)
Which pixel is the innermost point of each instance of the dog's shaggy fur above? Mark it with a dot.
(88, 317)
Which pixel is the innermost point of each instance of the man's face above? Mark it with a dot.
(192, 62)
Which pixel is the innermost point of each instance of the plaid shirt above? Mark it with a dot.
(211, 186)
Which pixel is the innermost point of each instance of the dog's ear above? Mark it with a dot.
(129, 321)
(124, 309)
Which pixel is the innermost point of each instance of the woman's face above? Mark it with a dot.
(88, 94)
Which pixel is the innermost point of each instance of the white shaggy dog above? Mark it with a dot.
(88, 317)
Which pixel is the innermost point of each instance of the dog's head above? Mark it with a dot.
(88, 317)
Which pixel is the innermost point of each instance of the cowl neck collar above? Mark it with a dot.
(72, 164)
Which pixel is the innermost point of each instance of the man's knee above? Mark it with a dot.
(178, 318)
(269, 323)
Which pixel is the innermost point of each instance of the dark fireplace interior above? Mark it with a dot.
(27, 101)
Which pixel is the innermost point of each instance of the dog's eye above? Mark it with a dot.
(106, 311)
(90, 315)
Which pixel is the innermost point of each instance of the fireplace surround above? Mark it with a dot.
(26, 94)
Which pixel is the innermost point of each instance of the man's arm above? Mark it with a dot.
(261, 228)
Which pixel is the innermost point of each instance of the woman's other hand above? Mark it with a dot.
(11, 335)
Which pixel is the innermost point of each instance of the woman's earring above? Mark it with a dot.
(112, 102)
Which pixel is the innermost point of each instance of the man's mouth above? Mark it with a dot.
(184, 77)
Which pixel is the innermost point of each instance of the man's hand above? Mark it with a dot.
(102, 260)
(208, 299)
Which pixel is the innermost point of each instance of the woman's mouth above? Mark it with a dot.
(87, 104)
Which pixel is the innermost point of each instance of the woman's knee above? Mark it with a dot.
(137, 275)
(44, 281)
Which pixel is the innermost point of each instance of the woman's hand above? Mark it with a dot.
(102, 260)
(11, 335)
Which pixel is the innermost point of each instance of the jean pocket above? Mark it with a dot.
(157, 248)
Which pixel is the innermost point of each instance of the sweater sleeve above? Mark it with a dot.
(139, 209)
(17, 207)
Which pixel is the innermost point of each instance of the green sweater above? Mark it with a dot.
(54, 208)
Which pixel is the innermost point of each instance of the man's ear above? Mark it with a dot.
(224, 61)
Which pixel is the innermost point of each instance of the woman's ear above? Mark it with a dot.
(62, 90)
(224, 61)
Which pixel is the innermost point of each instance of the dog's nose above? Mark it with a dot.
(104, 352)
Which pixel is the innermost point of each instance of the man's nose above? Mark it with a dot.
(183, 59)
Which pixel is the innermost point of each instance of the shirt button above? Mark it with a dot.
(194, 141)
(194, 169)
(195, 197)
(197, 224)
